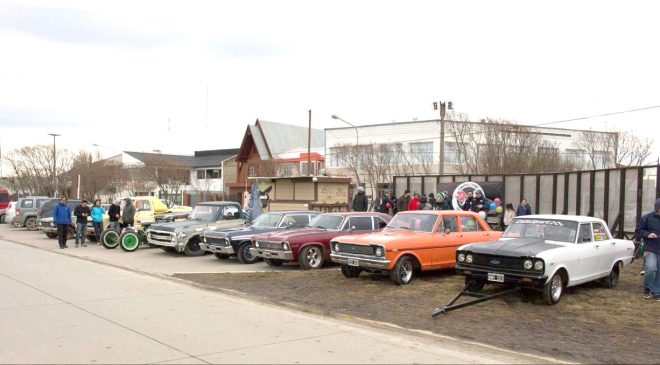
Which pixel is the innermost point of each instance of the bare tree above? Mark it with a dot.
(348, 156)
(31, 170)
(631, 150)
(96, 176)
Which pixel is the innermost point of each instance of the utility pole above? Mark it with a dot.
(55, 164)
(443, 108)
(309, 145)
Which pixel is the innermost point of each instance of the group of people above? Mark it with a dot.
(62, 217)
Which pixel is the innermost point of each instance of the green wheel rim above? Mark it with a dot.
(130, 241)
(111, 239)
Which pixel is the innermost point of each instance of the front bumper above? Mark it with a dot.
(513, 278)
(361, 261)
(272, 254)
(227, 250)
(164, 239)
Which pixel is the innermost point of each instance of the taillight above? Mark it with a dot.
(18, 211)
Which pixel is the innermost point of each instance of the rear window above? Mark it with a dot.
(27, 203)
(4, 198)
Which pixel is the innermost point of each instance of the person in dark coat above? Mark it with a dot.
(523, 209)
(478, 202)
(403, 202)
(128, 216)
(62, 217)
(443, 202)
(114, 213)
(467, 206)
(360, 203)
(82, 213)
(431, 200)
(385, 204)
(648, 229)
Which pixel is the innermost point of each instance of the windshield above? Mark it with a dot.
(204, 212)
(332, 222)
(549, 229)
(413, 222)
(267, 220)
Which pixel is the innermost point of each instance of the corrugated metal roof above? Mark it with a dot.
(213, 158)
(259, 142)
(281, 138)
(162, 159)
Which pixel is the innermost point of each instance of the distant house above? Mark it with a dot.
(211, 170)
(273, 149)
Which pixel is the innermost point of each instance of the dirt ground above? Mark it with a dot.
(591, 324)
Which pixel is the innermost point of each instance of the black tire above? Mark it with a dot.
(221, 256)
(2, 218)
(311, 258)
(51, 235)
(31, 224)
(192, 248)
(129, 241)
(273, 262)
(167, 249)
(475, 285)
(553, 290)
(350, 271)
(244, 255)
(110, 238)
(611, 280)
(403, 271)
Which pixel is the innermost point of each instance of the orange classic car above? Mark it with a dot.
(411, 241)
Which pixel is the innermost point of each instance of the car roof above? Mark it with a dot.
(218, 203)
(295, 212)
(351, 214)
(576, 218)
(439, 212)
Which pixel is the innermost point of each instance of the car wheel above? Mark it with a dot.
(221, 256)
(31, 224)
(51, 235)
(129, 241)
(311, 258)
(244, 255)
(611, 280)
(553, 290)
(192, 248)
(110, 238)
(350, 271)
(273, 262)
(403, 271)
(474, 285)
(2, 218)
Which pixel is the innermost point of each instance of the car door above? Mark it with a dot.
(588, 264)
(473, 231)
(606, 248)
(446, 240)
(143, 211)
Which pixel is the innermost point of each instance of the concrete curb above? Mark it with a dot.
(299, 308)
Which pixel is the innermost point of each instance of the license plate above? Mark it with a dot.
(498, 278)
(353, 262)
(267, 254)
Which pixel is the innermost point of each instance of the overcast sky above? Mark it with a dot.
(113, 72)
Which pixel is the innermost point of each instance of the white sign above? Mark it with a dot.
(459, 196)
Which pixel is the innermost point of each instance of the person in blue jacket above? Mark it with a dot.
(648, 229)
(62, 217)
(97, 220)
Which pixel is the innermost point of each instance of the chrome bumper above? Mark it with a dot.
(271, 254)
(169, 243)
(362, 261)
(227, 250)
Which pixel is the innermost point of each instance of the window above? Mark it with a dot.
(422, 152)
(201, 174)
(27, 203)
(380, 223)
(287, 169)
(297, 221)
(470, 224)
(142, 205)
(360, 224)
(252, 171)
(396, 151)
(548, 150)
(213, 174)
(575, 157)
(600, 159)
(41, 202)
(452, 152)
(584, 234)
(230, 212)
(4, 198)
(335, 160)
(303, 169)
(600, 233)
(449, 224)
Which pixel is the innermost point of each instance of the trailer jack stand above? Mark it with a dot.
(480, 298)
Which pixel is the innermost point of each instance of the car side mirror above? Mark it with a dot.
(353, 228)
(447, 231)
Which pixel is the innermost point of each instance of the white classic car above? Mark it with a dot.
(549, 253)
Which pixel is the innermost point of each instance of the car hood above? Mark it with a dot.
(180, 226)
(381, 238)
(240, 233)
(528, 246)
(290, 234)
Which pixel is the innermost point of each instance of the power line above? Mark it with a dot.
(599, 115)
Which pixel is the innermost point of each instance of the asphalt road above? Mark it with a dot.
(66, 306)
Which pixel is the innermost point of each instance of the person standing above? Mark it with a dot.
(414, 202)
(478, 203)
(82, 214)
(467, 205)
(444, 201)
(403, 202)
(431, 200)
(648, 229)
(62, 217)
(385, 204)
(97, 220)
(509, 214)
(360, 202)
(114, 213)
(128, 216)
(523, 209)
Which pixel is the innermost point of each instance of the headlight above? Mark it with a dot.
(256, 244)
(380, 251)
(204, 239)
(461, 257)
(538, 265)
(468, 258)
(336, 247)
(528, 264)
(285, 246)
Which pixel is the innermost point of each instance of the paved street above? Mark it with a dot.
(58, 308)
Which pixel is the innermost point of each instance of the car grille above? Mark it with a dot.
(277, 246)
(161, 236)
(356, 249)
(500, 262)
(216, 241)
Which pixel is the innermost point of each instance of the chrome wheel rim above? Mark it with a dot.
(405, 271)
(247, 254)
(313, 257)
(614, 278)
(556, 288)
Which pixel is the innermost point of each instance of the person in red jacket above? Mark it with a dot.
(414, 202)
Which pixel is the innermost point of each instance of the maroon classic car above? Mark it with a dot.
(310, 247)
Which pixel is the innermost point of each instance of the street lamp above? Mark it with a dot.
(55, 163)
(357, 138)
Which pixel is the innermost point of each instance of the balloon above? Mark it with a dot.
(388, 206)
(492, 206)
(482, 214)
(499, 209)
(498, 201)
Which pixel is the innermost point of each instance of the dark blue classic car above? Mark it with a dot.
(238, 241)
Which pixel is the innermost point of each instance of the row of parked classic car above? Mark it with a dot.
(544, 252)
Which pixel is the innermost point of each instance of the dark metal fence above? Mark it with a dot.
(618, 196)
